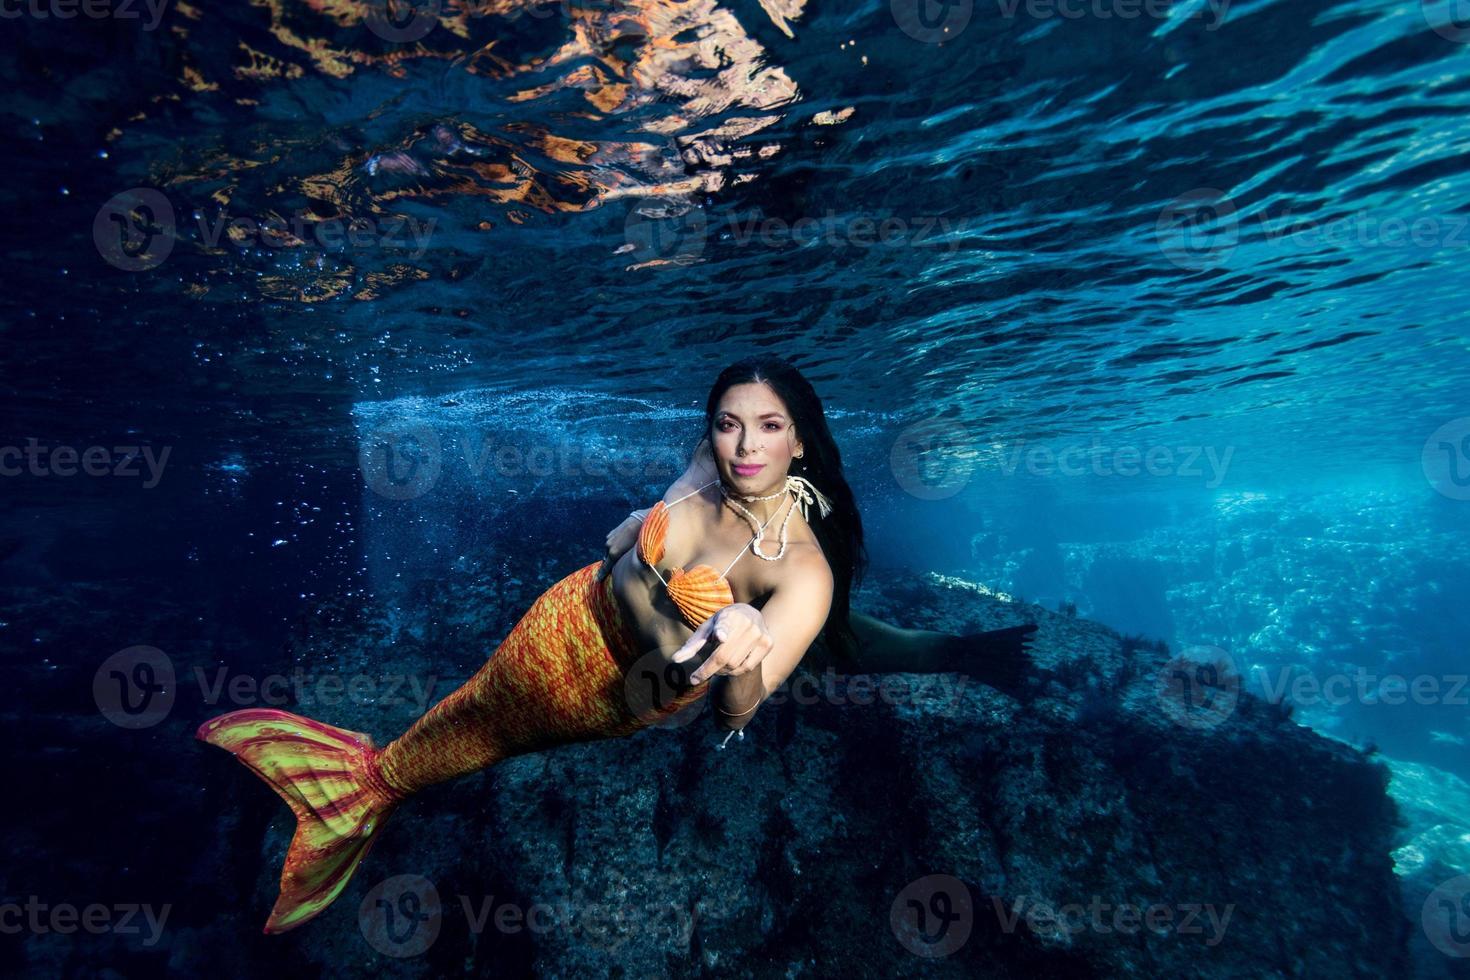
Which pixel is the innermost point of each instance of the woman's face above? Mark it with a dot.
(753, 439)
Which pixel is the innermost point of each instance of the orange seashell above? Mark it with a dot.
(651, 535)
(699, 593)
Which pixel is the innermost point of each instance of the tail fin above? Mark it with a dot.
(329, 778)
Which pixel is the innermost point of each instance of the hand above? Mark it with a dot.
(619, 540)
(742, 638)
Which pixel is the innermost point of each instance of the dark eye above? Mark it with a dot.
(774, 425)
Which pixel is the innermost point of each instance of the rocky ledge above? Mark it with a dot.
(1139, 816)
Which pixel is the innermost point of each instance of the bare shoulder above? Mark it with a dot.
(806, 570)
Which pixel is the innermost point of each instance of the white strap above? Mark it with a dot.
(742, 551)
(693, 492)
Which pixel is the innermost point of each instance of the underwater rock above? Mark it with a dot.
(1118, 824)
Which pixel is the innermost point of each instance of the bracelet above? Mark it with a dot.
(737, 714)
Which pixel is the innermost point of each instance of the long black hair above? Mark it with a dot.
(840, 533)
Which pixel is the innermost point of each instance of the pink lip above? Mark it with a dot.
(750, 470)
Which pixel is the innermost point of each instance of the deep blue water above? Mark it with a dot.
(1162, 317)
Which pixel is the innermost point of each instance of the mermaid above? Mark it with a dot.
(572, 668)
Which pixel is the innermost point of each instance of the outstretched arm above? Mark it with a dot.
(1000, 658)
(755, 650)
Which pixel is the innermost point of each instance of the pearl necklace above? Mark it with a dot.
(794, 484)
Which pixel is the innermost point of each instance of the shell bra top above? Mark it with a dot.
(699, 592)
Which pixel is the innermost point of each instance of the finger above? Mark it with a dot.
(715, 664)
(734, 623)
(693, 644)
(759, 649)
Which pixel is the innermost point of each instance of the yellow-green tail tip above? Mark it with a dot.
(329, 778)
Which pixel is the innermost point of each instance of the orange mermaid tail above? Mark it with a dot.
(561, 676)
